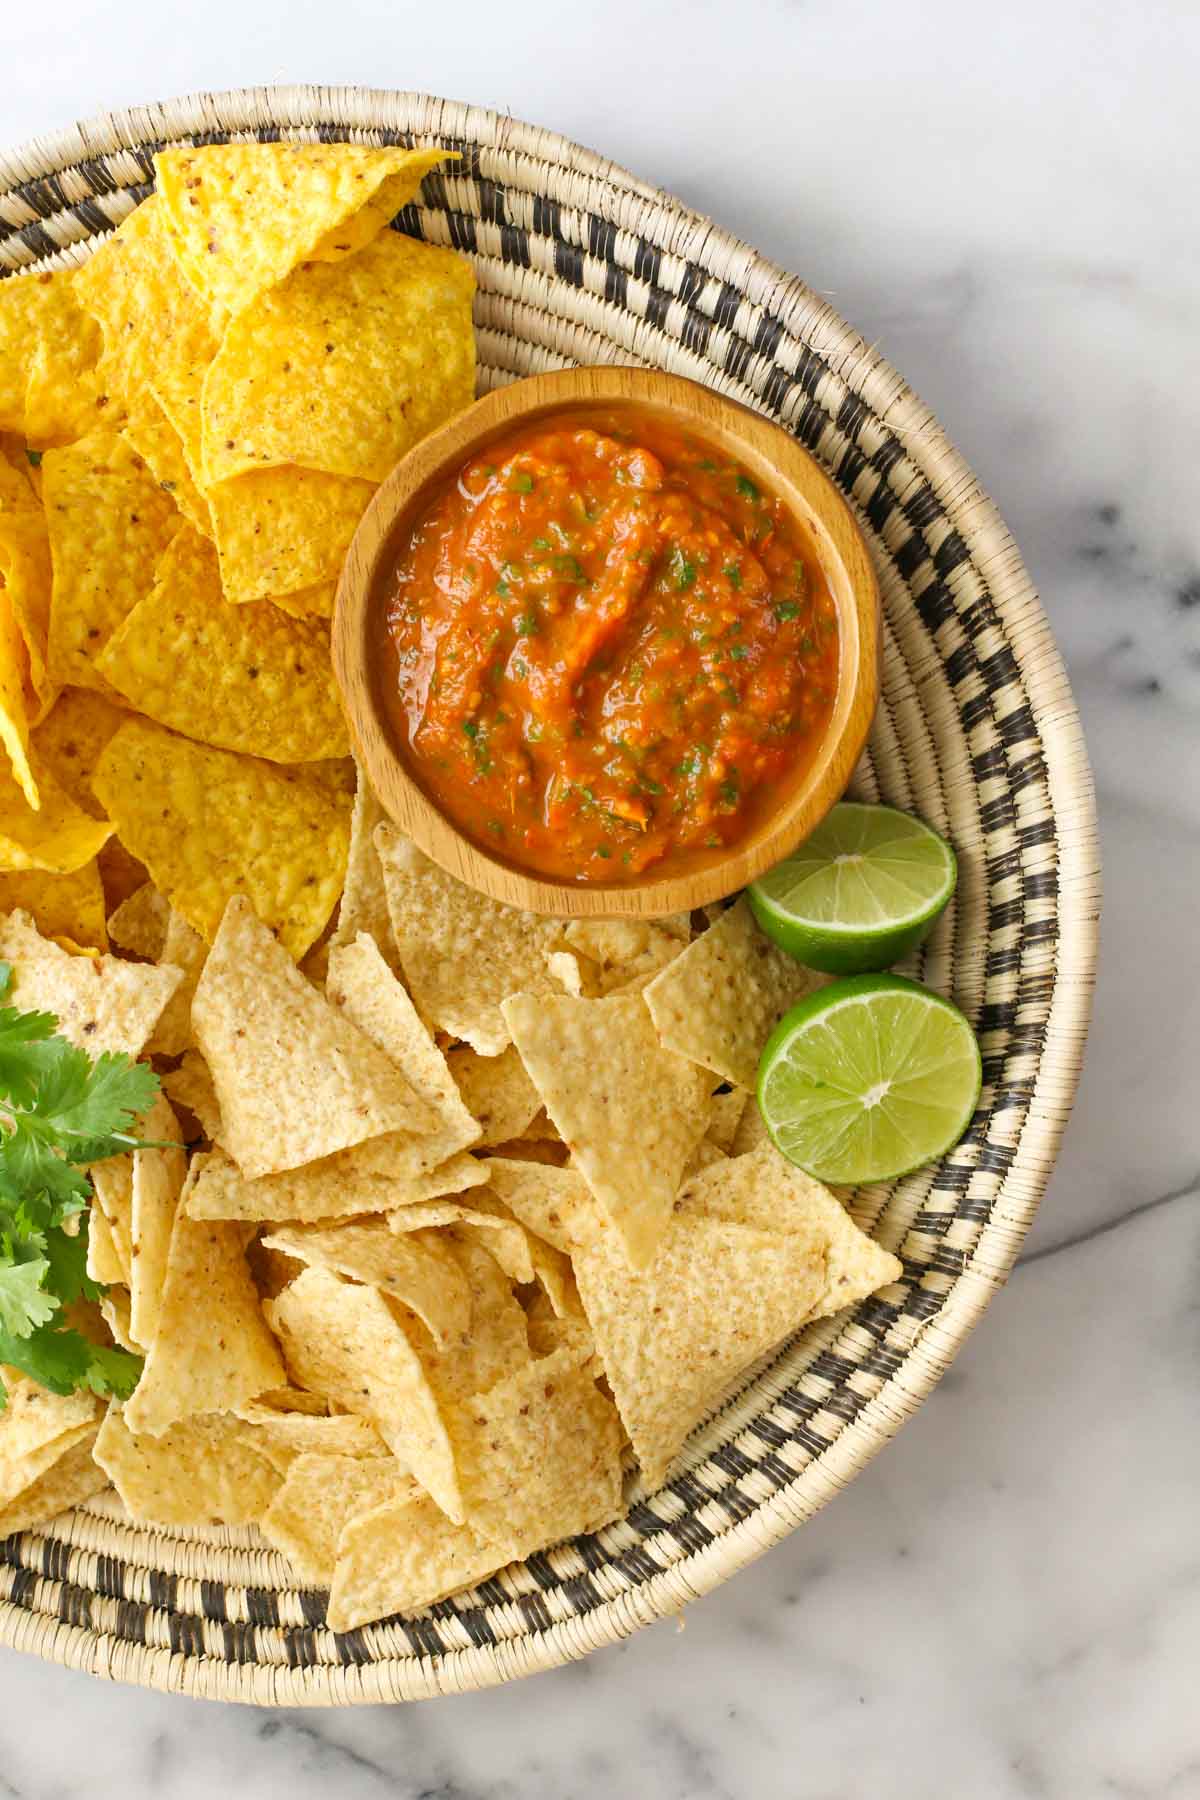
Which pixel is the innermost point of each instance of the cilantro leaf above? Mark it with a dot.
(24, 1305)
(64, 1361)
(66, 1260)
(26, 1051)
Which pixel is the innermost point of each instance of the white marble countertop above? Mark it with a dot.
(1007, 1602)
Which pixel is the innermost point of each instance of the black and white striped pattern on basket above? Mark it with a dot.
(578, 262)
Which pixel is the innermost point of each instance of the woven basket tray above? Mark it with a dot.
(579, 262)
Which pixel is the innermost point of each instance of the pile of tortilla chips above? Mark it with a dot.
(191, 425)
(469, 1215)
(447, 1214)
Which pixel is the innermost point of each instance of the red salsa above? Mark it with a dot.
(607, 649)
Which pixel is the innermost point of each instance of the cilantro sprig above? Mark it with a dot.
(60, 1110)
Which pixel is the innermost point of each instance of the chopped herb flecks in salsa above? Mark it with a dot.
(608, 648)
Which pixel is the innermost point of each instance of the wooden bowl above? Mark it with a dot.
(771, 457)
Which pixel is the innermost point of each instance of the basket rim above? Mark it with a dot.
(1070, 790)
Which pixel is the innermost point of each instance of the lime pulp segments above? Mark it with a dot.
(868, 1078)
(859, 893)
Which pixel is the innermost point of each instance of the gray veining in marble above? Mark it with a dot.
(1006, 1604)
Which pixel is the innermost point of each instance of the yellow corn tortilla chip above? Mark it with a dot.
(496, 1091)
(246, 678)
(284, 531)
(319, 1496)
(70, 1480)
(158, 1178)
(726, 1116)
(295, 1079)
(404, 1555)
(309, 603)
(191, 1086)
(14, 707)
(364, 902)
(729, 1283)
(240, 217)
(58, 837)
(361, 985)
(103, 1262)
(69, 741)
(139, 924)
(203, 1471)
(152, 436)
(108, 522)
(556, 1204)
(211, 1349)
(539, 1456)
(720, 1000)
(417, 1269)
(101, 1003)
(462, 953)
(343, 366)
(631, 1111)
(338, 1186)
(346, 1341)
(60, 906)
(185, 950)
(209, 824)
(48, 352)
(25, 573)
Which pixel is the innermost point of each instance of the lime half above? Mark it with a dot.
(859, 893)
(868, 1078)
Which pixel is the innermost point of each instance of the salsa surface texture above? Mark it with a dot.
(606, 649)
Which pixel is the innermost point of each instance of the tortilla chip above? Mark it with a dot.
(495, 1345)
(58, 837)
(239, 217)
(109, 522)
(283, 1436)
(112, 1184)
(404, 1555)
(631, 1111)
(726, 1116)
(620, 955)
(347, 1342)
(115, 1311)
(48, 352)
(191, 1086)
(70, 739)
(483, 1220)
(25, 572)
(319, 1497)
(719, 1001)
(33, 1428)
(139, 924)
(462, 953)
(496, 1091)
(70, 1480)
(211, 1349)
(151, 435)
(185, 950)
(550, 1331)
(101, 1003)
(752, 1134)
(284, 531)
(14, 709)
(209, 823)
(203, 1471)
(335, 1187)
(539, 1456)
(364, 902)
(103, 1262)
(60, 906)
(158, 1178)
(343, 366)
(556, 1204)
(417, 1269)
(245, 678)
(295, 1080)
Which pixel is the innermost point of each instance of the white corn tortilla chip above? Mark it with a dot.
(202, 1471)
(101, 1003)
(319, 1496)
(418, 1269)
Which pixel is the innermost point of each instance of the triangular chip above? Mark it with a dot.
(71, 1478)
(151, 435)
(212, 1349)
(496, 1092)
(26, 573)
(364, 902)
(246, 678)
(346, 1341)
(726, 1116)
(720, 1000)
(191, 1086)
(462, 952)
(239, 217)
(295, 1079)
(48, 350)
(158, 1177)
(418, 1269)
(557, 1204)
(284, 531)
(620, 955)
(343, 366)
(139, 924)
(109, 522)
(112, 1188)
(726, 1286)
(61, 906)
(209, 823)
(33, 1425)
(404, 1555)
(336, 1187)
(70, 739)
(104, 1263)
(203, 1471)
(631, 1111)
(482, 1220)
(100, 1002)
(319, 1496)
(185, 950)
(58, 837)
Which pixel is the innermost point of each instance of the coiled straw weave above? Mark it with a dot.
(579, 262)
